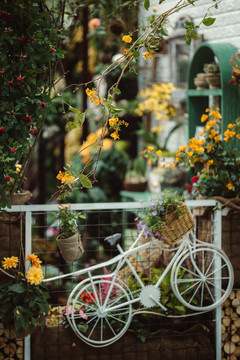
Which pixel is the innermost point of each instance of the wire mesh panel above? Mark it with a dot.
(177, 331)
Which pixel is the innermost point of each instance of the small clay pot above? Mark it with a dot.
(214, 80)
(200, 81)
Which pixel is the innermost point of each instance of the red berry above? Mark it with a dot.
(1, 73)
(32, 132)
(10, 83)
(7, 178)
(58, 31)
(19, 79)
(32, 38)
(42, 104)
(5, 108)
(24, 39)
(1, 130)
(11, 113)
(52, 49)
(21, 56)
(13, 150)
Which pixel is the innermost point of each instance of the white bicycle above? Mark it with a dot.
(100, 308)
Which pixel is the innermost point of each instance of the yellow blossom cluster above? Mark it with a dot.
(148, 55)
(156, 101)
(93, 98)
(65, 178)
(115, 124)
(218, 155)
(34, 275)
(151, 154)
(127, 39)
(91, 144)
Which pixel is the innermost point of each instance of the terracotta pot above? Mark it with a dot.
(135, 187)
(71, 248)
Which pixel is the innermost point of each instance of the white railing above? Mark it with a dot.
(31, 210)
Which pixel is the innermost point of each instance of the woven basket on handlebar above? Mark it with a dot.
(176, 226)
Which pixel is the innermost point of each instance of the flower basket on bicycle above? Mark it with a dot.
(167, 219)
(176, 226)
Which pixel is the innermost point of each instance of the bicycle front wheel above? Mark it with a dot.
(100, 314)
(202, 279)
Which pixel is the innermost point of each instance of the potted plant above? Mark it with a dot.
(135, 177)
(167, 219)
(212, 75)
(23, 298)
(69, 240)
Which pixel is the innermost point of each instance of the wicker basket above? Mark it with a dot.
(177, 226)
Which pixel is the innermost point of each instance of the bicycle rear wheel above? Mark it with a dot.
(99, 317)
(202, 279)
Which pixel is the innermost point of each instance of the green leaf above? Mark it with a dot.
(146, 4)
(17, 288)
(76, 111)
(208, 21)
(84, 180)
(80, 118)
(116, 91)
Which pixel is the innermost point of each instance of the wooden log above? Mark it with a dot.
(238, 294)
(223, 328)
(1, 328)
(238, 309)
(235, 302)
(235, 338)
(237, 322)
(226, 303)
(237, 350)
(10, 334)
(2, 356)
(229, 347)
(20, 353)
(234, 316)
(228, 310)
(232, 357)
(226, 321)
(224, 336)
(232, 295)
(3, 341)
(10, 349)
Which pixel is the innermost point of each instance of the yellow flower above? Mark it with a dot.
(127, 39)
(34, 275)
(154, 9)
(107, 144)
(150, 148)
(115, 135)
(178, 159)
(238, 136)
(229, 186)
(34, 260)
(10, 262)
(217, 138)
(150, 161)
(59, 175)
(88, 92)
(204, 117)
(18, 168)
(96, 101)
(113, 121)
(173, 164)
(159, 152)
(17, 312)
(210, 162)
(148, 54)
(231, 126)
(228, 134)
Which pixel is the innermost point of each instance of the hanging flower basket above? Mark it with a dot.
(176, 225)
(71, 248)
(20, 198)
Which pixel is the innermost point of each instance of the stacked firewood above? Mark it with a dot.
(11, 347)
(231, 327)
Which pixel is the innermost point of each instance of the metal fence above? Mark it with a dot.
(101, 220)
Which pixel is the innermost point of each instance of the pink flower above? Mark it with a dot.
(94, 23)
(64, 206)
(42, 104)
(73, 344)
(83, 315)
(27, 119)
(194, 179)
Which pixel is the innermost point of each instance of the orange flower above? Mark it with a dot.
(204, 117)
(34, 260)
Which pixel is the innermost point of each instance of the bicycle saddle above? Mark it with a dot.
(114, 239)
